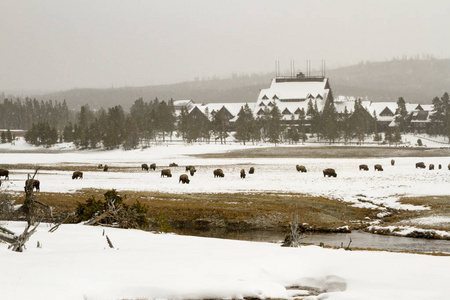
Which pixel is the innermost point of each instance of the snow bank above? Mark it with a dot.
(76, 263)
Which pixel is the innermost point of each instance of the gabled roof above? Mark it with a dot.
(386, 112)
(298, 111)
(265, 97)
(286, 112)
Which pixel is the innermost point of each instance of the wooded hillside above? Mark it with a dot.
(416, 80)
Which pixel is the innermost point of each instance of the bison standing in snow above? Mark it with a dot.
(420, 165)
(4, 172)
(192, 171)
(166, 173)
(105, 168)
(392, 162)
(144, 167)
(378, 167)
(218, 173)
(242, 173)
(173, 165)
(329, 172)
(363, 167)
(251, 171)
(431, 167)
(184, 179)
(77, 174)
(301, 168)
(153, 166)
(33, 184)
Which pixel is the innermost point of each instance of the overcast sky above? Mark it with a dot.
(68, 44)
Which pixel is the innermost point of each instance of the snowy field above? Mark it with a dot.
(75, 262)
(374, 189)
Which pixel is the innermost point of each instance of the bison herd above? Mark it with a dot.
(328, 172)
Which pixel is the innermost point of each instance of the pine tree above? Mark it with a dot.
(401, 117)
(329, 122)
(244, 124)
(274, 125)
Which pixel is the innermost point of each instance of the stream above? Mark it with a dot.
(360, 239)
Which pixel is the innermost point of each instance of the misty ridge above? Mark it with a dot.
(416, 80)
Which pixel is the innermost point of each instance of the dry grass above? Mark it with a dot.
(236, 211)
(331, 152)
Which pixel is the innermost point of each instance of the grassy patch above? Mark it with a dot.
(330, 152)
(233, 211)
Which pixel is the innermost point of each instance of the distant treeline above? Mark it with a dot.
(22, 114)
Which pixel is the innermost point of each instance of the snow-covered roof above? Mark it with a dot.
(233, 108)
(293, 89)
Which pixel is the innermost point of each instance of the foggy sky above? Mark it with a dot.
(55, 45)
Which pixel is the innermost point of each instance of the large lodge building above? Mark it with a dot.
(292, 95)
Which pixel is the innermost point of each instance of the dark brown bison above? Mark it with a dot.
(363, 167)
(188, 168)
(33, 184)
(392, 162)
(440, 166)
(184, 178)
(329, 172)
(153, 166)
(420, 165)
(166, 173)
(173, 165)
(242, 173)
(449, 166)
(378, 167)
(105, 168)
(77, 175)
(144, 167)
(100, 166)
(4, 172)
(192, 170)
(300, 168)
(251, 171)
(431, 167)
(218, 173)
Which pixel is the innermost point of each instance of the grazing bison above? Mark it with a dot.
(363, 167)
(4, 172)
(392, 162)
(144, 167)
(192, 170)
(431, 167)
(105, 168)
(242, 173)
(420, 165)
(188, 168)
(251, 171)
(378, 167)
(300, 168)
(440, 166)
(184, 179)
(166, 173)
(153, 166)
(33, 183)
(100, 166)
(77, 174)
(329, 172)
(218, 173)
(173, 165)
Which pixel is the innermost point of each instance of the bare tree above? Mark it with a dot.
(31, 208)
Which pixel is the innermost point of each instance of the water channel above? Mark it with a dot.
(360, 239)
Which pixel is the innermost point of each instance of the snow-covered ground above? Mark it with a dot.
(363, 188)
(75, 262)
